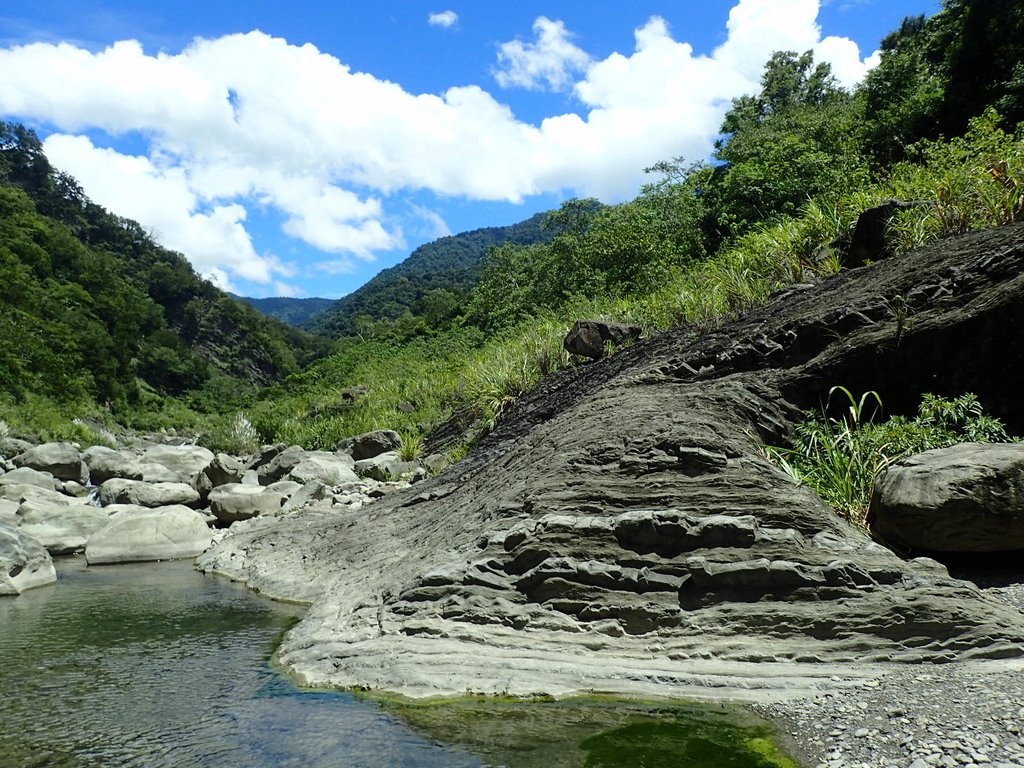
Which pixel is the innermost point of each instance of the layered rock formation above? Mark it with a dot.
(621, 531)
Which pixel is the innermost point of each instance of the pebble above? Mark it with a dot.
(950, 716)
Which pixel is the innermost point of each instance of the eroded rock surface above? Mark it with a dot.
(620, 530)
(136, 534)
(24, 562)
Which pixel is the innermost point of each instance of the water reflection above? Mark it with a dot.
(157, 665)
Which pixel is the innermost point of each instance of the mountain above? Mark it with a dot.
(294, 312)
(433, 280)
(93, 309)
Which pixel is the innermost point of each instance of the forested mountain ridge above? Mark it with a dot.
(430, 286)
(294, 311)
(92, 309)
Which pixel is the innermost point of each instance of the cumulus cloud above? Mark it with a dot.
(446, 19)
(549, 62)
(251, 120)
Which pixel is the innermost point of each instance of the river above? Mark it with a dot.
(157, 665)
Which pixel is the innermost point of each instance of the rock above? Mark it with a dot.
(306, 495)
(406, 407)
(63, 527)
(967, 498)
(71, 488)
(24, 563)
(281, 464)
(868, 242)
(119, 491)
(28, 476)
(158, 473)
(589, 337)
(351, 394)
(136, 534)
(371, 444)
(224, 469)
(233, 502)
(284, 487)
(185, 461)
(11, 446)
(105, 463)
(385, 466)
(327, 468)
(620, 530)
(62, 460)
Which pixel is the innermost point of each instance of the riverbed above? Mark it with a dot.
(157, 665)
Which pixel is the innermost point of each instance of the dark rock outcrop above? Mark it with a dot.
(589, 338)
(370, 445)
(967, 498)
(620, 530)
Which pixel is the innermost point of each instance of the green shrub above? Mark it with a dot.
(840, 458)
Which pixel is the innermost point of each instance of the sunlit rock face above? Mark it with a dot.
(620, 530)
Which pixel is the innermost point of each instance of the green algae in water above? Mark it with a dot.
(597, 733)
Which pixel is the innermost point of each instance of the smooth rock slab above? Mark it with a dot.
(62, 528)
(966, 498)
(105, 463)
(184, 461)
(119, 491)
(29, 476)
(137, 534)
(24, 562)
(235, 501)
(62, 460)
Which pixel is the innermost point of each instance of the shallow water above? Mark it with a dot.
(157, 665)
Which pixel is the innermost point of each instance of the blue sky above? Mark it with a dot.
(298, 148)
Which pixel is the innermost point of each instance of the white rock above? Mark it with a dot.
(137, 534)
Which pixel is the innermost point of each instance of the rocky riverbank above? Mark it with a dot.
(950, 715)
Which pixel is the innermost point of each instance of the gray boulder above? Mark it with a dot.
(24, 562)
(589, 337)
(11, 446)
(62, 460)
(185, 461)
(136, 534)
(371, 444)
(967, 498)
(280, 464)
(327, 468)
(235, 501)
(222, 470)
(105, 463)
(62, 527)
(120, 491)
(27, 476)
(385, 466)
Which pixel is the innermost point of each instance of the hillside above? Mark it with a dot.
(293, 311)
(92, 309)
(431, 283)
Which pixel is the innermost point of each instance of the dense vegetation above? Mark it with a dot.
(702, 242)
(293, 311)
(96, 317)
(426, 292)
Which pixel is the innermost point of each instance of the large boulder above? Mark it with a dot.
(280, 464)
(105, 463)
(184, 461)
(62, 460)
(327, 468)
(135, 534)
(24, 562)
(589, 338)
(222, 470)
(63, 527)
(28, 476)
(235, 501)
(371, 444)
(967, 498)
(385, 466)
(120, 491)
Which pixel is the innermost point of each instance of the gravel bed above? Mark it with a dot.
(965, 715)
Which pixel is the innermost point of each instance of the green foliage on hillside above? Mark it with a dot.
(427, 290)
(296, 312)
(93, 311)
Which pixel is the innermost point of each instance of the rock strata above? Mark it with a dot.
(620, 530)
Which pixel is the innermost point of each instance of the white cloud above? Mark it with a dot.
(250, 120)
(446, 19)
(550, 61)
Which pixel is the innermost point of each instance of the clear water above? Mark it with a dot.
(156, 665)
